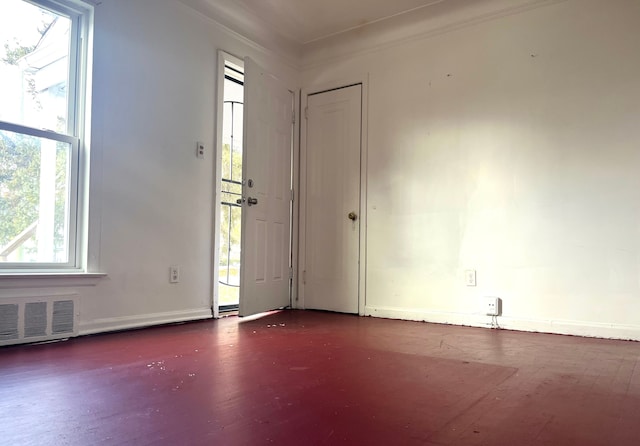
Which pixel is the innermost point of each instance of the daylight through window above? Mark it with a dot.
(40, 59)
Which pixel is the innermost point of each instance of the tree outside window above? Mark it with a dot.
(38, 134)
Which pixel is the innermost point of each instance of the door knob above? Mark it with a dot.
(352, 216)
(240, 201)
(252, 201)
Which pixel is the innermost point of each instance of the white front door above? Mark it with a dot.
(266, 214)
(332, 200)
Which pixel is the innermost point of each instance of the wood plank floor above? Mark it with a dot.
(314, 378)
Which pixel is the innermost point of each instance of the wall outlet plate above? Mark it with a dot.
(492, 306)
(470, 277)
(174, 274)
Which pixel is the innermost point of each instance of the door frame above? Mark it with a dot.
(300, 177)
(222, 57)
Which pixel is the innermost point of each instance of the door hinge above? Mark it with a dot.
(293, 116)
(306, 113)
(292, 195)
(304, 277)
(291, 273)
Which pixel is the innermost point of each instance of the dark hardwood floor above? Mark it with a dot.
(314, 378)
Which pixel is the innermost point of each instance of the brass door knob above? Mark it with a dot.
(352, 216)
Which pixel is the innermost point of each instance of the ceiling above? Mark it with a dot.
(295, 27)
(304, 21)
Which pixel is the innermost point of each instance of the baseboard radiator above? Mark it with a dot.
(37, 319)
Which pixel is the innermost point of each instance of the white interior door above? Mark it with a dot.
(266, 215)
(332, 200)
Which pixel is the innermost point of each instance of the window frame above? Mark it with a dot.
(80, 13)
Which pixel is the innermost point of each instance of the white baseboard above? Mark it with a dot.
(564, 327)
(144, 320)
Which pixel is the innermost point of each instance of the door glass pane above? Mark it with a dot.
(231, 211)
(34, 199)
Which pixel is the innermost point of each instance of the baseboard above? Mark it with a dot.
(145, 320)
(553, 326)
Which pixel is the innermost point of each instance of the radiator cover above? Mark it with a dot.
(37, 319)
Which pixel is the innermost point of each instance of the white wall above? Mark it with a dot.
(151, 199)
(480, 156)
(509, 146)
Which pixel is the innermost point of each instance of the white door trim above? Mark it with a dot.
(363, 79)
(295, 186)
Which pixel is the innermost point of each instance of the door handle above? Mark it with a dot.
(352, 216)
(251, 201)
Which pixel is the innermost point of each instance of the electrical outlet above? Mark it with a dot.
(470, 277)
(200, 150)
(174, 274)
(492, 306)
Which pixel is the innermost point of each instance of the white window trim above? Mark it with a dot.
(49, 280)
(74, 272)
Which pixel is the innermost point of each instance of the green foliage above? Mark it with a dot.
(19, 185)
(230, 239)
(12, 55)
(20, 165)
(228, 166)
(15, 52)
(62, 197)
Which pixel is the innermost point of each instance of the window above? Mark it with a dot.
(42, 74)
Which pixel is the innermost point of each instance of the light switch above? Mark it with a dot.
(200, 150)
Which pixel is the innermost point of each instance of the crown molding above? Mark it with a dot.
(423, 24)
(243, 25)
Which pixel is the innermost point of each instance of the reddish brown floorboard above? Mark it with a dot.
(313, 378)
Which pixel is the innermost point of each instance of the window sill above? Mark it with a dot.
(46, 280)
